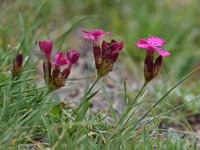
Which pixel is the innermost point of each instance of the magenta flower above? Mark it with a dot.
(151, 67)
(59, 59)
(56, 72)
(60, 74)
(95, 34)
(46, 47)
(72, 56)
(152, 43)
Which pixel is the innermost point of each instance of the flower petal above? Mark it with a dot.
(155, 41)
(88, 37)
(107, 33)
(60, 59)
(142, 45)
(94, 34)
(162, 52)
(86, 31)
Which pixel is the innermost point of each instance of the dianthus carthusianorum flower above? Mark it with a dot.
(105, 55)
(57, 71)
(152, 44)
(94, 35)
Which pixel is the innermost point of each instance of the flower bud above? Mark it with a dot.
(46, 47)
(109, 54)
(65, 73)
(157, 65)
(113, 50)
(17, 64)
(19, 60)
(97, 56)
(55, 72)
(151, 69)
(72, 56)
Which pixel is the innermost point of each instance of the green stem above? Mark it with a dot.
(91, 87)
(184, 78)
(131, 105)
(87, 93)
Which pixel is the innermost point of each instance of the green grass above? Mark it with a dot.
(26, 116)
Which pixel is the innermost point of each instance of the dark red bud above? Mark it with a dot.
(116, 45)
(109, 55)
(113, 51)
(97, 51)
(56, 71)
(158, 61)
(151, 69)
(73, 56)
(65, 73)
(149, 57)
(149, 62)
(104, 46)
(19, 60)
(113, 41)
(17, 64)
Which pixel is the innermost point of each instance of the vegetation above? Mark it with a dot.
(32, 116)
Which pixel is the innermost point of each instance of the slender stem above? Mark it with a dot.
(131, 105)
(87, 93)
(91, 87)
(145, 83)
(184, 78)
(193, 100)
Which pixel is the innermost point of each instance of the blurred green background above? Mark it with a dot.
(178, 22)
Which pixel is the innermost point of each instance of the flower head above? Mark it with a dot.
(151, 67)
(152, 43)
(111, 50)
(95, 34)
(60, 59)
(106, 55)
(46, 47)
(72, 56)
(56, 72)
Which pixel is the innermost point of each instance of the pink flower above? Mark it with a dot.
(72, 56)
(152, 43)
(60, 59)
(46, 47)
(95, 34)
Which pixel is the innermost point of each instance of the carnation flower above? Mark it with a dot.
(153, 43)
(95, 34)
